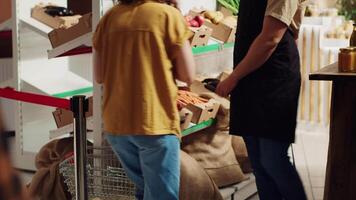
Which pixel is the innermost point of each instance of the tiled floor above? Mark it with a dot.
(310, 153)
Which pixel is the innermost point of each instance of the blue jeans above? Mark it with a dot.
(276, 177)
(152, 163)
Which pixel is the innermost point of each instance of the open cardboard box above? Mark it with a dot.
(64, 117)
(205, 111)
(200, 36)
(225, 30)
(5, 13)
(63, 35)
(38, 13)
(185, 117)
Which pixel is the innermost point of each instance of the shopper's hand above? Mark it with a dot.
(226, 86)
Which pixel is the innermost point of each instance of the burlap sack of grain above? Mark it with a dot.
(212, 147)
(195, 183)
(47, 182)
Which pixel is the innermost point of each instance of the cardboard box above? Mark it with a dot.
(223, 31)
(63, 35)
(205, 111)
(200, 36)
(224, 75)
(226, 29)
(80, 7)
(38, 12)
(64, 117)
(5, 13)
(185, 117)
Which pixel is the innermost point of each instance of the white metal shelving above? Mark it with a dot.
(33, 71)
(52, 81)
(35, 26)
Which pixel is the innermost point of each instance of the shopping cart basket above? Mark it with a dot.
(106, 179)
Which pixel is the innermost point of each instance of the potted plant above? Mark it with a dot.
(348, 9)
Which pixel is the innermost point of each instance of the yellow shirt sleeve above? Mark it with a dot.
(283, 10)
(177, 31)
(99, 34)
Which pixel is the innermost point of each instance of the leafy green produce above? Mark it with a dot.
(232, 5)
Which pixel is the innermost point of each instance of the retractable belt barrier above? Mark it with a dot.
(78, 105)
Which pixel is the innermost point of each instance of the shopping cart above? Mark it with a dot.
(106, 179)
(90, 172)
(93, 172)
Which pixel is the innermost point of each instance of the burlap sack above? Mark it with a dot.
(212, 148)
(240, 150)
(213, 151)
(47, 182)
(195, 183)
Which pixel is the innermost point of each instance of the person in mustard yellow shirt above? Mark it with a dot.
(140, 48)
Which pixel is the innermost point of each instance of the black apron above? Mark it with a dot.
(265, 102)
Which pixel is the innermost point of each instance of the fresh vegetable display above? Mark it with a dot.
(232, 5)
(196, 21)
(186, 97)
(214, 16)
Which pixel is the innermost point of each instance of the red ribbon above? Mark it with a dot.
(10, 93)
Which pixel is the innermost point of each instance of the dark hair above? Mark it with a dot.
(128, 1)
(135, 1)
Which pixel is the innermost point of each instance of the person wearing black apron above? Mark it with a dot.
(264, 89)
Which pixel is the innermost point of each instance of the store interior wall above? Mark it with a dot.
(186, 5)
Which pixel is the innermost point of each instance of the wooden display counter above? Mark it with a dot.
(341, 165)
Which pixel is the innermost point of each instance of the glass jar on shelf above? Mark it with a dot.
(353, 37)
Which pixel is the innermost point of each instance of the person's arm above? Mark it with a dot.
(98, 69)
(184, 64)
(260, 51)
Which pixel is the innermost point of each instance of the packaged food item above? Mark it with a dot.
(347, 60)
(55, 11)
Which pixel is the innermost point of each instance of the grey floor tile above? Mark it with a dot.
(318, 192)
(317, 181)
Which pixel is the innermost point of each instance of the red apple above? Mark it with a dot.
(200, 20)
(194, 23)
